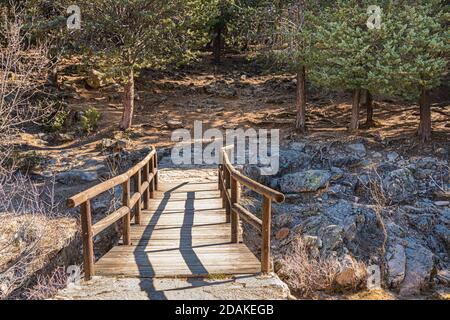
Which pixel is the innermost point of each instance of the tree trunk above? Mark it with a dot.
(128, 103)
(301, 101)
(354, 123)
(217, 43)
(368, 102)
(425, 117)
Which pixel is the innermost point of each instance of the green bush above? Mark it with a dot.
(57, 122)
(89, 120)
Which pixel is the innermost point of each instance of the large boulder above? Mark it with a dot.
(419, 268)
(351, 275)
(396, 265)
(305, 181)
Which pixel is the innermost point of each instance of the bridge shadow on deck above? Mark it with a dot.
(185, 247)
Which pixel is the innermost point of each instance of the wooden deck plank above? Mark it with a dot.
(184, 233)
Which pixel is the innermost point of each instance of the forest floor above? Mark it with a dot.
(234, 95)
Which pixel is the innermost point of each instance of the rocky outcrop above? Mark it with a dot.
(358, 204)
(304, 181)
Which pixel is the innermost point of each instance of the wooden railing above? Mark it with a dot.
(145, 178)
(230, 181)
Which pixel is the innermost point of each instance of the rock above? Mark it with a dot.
(113, 145)
(351, 274)
(392, 156)
(332, 238)
(419, 267)
(95, 79)
(76, 176)
(443, 232)
(341, 160)
(400, 186)
(282, 234)
(358, 148)
(298, 146)
(305, 181)
(174, 124)
(443, 276)
(442, 203)
(396, 265)
(294, 160)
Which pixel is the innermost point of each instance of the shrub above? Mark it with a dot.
(57, 122)
(306, 275)
(89, 120)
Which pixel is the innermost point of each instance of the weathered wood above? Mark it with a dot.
(153, 180)
(145, 185)
(249, 183)
(127, 218)
(88, 239)
(134, 200)
(235, 197)
(109, 220)
(248, 217)
(227, 187)
(155, 170)
(90, 193)
(138, 205)
(265, 235)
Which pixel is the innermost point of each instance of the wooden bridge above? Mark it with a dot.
(179, 229)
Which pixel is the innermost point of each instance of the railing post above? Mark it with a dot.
(88, 241)
(155, 170)
(265, 242)
(127, 217)
(219, 184)
(147, 191)
(138, 188)
(152, 185)
(235, 197)
(227, 174)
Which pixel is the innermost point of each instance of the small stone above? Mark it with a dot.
(357, 148)
(174, 124)
(392, 156)
(282, 234)
(442, 203)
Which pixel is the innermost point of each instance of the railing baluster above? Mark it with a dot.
(235, 197)
(138, 188)
(147, 191)
(155, 170)
(127, 217)
(219, 184)
(265, 233)
(227, 187)
(87, 238)
(152, 185)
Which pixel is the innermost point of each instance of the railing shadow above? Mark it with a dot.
(146, 270)
(186, 248)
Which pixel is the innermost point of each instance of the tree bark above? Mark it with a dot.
(217, 43)
(128, 103)
(368, 102)
(354, 123)
(301, 101)
(425, 117)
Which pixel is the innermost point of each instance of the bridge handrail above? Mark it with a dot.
(145, 176)
(229, 185)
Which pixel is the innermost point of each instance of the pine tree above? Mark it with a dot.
(413, 54)
(124, 36)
